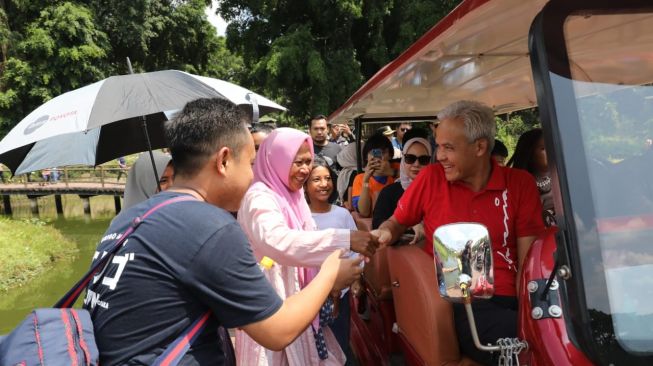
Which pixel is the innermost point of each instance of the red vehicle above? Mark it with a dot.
(586, 293)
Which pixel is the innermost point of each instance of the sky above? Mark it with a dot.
(216, 20)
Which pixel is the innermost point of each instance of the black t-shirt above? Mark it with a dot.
(386, 203)
(329, 152)
(182, 260)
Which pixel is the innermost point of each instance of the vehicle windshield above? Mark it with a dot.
(608, 158)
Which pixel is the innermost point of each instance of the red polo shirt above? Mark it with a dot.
(509, 206)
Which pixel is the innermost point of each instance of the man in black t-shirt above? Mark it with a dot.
(191, 256)
(319, 131)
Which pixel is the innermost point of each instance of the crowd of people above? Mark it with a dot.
(272, 241)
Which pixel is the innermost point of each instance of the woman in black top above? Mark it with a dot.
(416, 155)
(530, 155)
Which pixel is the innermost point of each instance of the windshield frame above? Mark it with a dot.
(548, 48)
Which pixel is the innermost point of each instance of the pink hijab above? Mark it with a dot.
(272, 168)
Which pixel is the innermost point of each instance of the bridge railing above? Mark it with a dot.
(67, 176)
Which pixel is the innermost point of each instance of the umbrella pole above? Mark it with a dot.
(147, 138)
(149, 149)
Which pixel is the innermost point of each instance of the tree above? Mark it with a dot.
(312, 55)
(387, 28)
(161, 34)
(511, 126)
(5, 34)
(59, 50)
(299, 52)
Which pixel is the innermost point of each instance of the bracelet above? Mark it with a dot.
(366, 185)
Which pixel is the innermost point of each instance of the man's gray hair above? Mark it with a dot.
(478, 119)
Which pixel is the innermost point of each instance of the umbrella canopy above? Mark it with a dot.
(102, 121)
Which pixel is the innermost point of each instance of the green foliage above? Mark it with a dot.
(298, 52)
(28, 249)
(511, 126)
(616, 124)
(388, 27)
(5, 33)
(312, 55)
(59, 50)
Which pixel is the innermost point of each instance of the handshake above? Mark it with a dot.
(348, 269)
(366, 243)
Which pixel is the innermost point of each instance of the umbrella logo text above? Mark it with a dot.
(36, 124)
(43, 119)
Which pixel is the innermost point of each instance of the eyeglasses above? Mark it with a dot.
(404, 129)
(422, 159)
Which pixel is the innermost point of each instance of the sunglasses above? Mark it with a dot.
(423, 159)
(404, 129)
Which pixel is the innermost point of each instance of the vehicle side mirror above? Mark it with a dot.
(463, 262)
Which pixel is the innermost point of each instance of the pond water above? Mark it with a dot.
(52, 284)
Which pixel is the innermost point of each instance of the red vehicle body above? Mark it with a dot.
(573, 60)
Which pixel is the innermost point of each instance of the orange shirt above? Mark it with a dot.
(374, 189)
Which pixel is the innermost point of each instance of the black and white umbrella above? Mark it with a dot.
(104, 120)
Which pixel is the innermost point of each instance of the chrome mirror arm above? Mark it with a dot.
(507, 346)
(472, 326)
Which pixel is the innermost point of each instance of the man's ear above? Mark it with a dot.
(223, 158)
(481, 146)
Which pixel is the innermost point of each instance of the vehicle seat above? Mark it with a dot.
(424, 319)
(377, 275)
(363, 223)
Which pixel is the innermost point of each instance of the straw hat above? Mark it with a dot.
(386, 130)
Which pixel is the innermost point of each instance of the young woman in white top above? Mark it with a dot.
(320, 193)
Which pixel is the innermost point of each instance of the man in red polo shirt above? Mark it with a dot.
(468, 186)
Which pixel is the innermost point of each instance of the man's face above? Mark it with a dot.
(319, 131)
(401, 131)
(258, 139)
(239, 175)
(459, 158)
(335, 130)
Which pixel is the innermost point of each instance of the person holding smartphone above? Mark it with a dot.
(378, 174)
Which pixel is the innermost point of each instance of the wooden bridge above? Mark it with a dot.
(84, 182)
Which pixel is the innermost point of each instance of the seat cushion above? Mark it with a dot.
(424, 319)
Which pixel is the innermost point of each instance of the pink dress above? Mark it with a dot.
(269, 235)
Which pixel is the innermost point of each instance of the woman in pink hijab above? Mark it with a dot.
(278, 222)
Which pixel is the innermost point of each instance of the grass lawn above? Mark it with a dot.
(28, 248)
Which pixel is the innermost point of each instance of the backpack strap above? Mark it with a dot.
(71, 296)
(177, 349)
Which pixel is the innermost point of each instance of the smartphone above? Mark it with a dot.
(377, 153)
